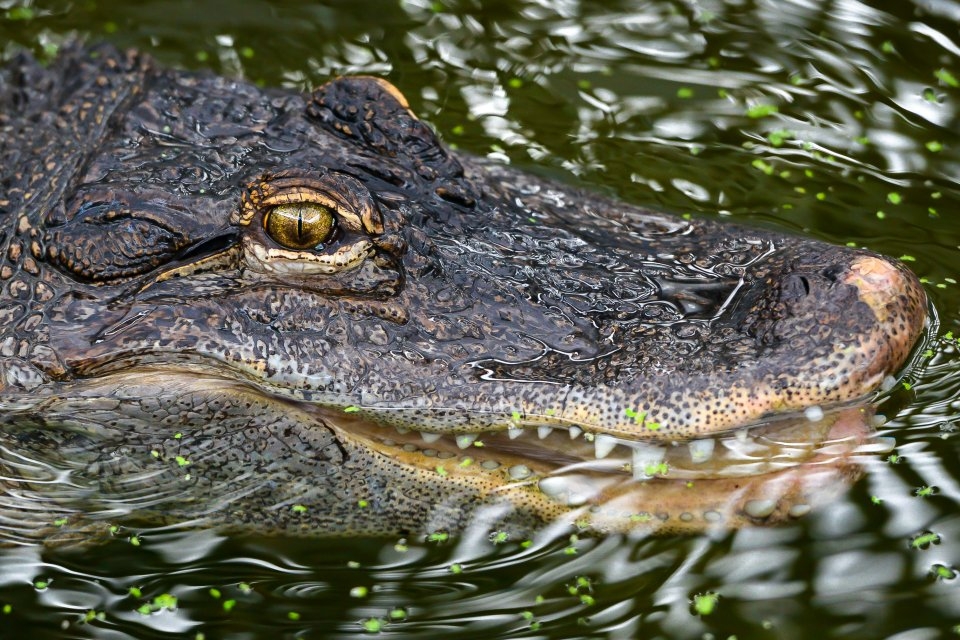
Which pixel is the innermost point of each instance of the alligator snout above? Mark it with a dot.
(827, 328)
(898, 305)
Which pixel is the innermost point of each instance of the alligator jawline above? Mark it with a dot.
(536, 452)
(560, 478)
(788, 474)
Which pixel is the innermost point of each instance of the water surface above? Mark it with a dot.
(834, 119)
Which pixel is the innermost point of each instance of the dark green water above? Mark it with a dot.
(660, 103)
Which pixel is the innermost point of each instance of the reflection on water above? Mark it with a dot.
(835, 118)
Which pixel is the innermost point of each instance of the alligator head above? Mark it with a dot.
(260, 310)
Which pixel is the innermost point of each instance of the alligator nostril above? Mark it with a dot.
(794, 287)
(833, 272)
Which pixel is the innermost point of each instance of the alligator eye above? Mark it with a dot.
(299, 225)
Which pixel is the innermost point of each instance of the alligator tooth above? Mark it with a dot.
(466, 439)
(519, 472)
(877, 444)
(645, 456)
(571, 491)
(490, 465)
(889, 382)
(554, 487)
(742, 434)
(760, 508)
(543, 432)
(799, 510)
(402, 430)
(575, 432)
(430, 438)
(813, 414)
(701, 450)
(603, 445)
(514, 432)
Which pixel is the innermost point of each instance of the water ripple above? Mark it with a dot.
(836, 119)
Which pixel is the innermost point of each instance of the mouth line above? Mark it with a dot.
(535, 452)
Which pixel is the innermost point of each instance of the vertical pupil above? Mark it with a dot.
(299, 225)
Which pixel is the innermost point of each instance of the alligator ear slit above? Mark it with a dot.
(191, 259)
(208, 247)
(455, 194)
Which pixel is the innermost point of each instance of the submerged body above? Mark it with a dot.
(264, 311)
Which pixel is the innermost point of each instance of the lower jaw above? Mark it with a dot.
(785, 492)
(763, 475)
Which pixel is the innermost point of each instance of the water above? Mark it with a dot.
(835, 119)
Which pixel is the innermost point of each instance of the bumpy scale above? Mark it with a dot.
(263, 311)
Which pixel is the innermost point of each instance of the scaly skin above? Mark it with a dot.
(167, 356)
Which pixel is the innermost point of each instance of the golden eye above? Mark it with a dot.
(299, 225)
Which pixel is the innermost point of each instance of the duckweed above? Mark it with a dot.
(372, 625)
(924, 540)
(945, 77)
(705, 604)
(762, 110)
(943, 572)
(20, 13)
(162, 602)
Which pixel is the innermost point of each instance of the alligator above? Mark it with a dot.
(285, 313)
